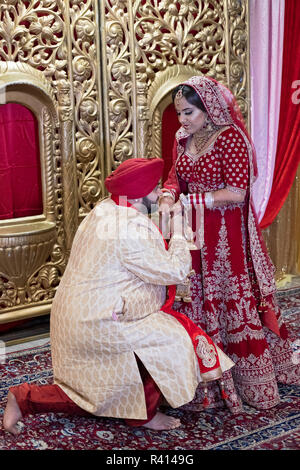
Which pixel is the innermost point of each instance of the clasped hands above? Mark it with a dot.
(171, 218)
(174, 225)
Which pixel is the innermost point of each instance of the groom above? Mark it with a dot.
(117, 346)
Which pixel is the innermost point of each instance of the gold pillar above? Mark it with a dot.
(283, 235)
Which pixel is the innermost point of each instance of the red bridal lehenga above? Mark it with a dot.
(233, 289)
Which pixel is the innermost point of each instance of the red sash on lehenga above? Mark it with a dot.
(205, 350)
(204, 347)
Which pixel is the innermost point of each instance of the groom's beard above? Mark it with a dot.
(150, 205)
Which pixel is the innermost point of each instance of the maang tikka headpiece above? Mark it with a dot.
(178, 96)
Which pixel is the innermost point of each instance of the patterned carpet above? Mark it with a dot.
(275, 429)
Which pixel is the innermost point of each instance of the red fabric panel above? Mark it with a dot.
(170, 125)
(10, 326)
(153, 396)
(288, 146)
(20, 172)
(34, 399)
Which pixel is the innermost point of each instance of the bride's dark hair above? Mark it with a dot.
(190, 95)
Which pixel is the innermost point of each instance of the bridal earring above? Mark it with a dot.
(202, 137)
(209, 125)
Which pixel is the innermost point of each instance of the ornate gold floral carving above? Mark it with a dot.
(119, 80)
(146, 41)
(187, 32)
(31, 31)
(237, 77)
(104, 71)
(60, 39)
(85, 52)
(24, 249)
(53, 46)
(26, 244)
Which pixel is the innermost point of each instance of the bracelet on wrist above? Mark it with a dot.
(209, 200)
(195, 199)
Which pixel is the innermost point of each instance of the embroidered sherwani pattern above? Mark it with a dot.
(107, 310)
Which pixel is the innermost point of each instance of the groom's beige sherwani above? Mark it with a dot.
(107, 310)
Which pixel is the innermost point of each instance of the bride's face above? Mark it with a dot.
(189, 116)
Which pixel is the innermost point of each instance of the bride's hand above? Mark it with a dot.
(176, 209)
(165, 204)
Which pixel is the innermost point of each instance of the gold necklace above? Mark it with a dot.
(201, 139)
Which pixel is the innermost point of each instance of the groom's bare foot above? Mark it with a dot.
(12, 415)
(161, 422)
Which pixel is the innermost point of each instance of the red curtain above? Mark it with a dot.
(169, 125)
(288, 145)
(20, 172)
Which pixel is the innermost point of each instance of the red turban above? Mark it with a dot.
(135, 177)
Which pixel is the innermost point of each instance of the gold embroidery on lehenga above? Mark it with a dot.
(206, 352)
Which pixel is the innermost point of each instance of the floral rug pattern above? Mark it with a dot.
(212, 429)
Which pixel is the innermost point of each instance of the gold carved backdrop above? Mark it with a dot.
(148, 46)
(98, 76)
(50, 62)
